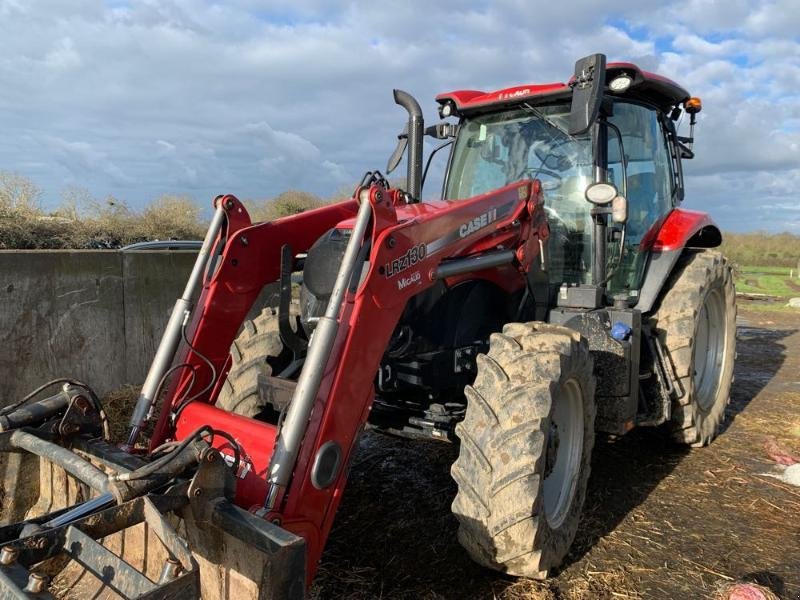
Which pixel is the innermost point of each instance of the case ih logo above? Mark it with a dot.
(477, 223)
(409, 259)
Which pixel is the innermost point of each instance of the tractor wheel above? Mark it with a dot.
(696, 324)
(526, 445)
(258, 342)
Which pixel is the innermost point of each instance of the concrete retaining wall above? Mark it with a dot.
(95, 315)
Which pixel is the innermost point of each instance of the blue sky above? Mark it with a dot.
(136, 99)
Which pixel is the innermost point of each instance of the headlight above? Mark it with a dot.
(620, 84)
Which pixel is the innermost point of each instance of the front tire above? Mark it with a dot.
(256, 346)
(526, 445)
(696, 325)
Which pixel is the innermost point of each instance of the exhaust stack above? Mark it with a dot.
(416, 126)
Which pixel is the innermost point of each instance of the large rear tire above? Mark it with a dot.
(696, 324)
(257, 344)
(526, 446)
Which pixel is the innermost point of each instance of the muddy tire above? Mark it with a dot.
(696, 324)
(258, 343)
(526, 445)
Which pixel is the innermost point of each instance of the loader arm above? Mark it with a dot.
(250, 260)
(368, 319)
(407, 256)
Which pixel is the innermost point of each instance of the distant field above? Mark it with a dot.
(773, 281)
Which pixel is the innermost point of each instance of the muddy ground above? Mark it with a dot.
(660, 521)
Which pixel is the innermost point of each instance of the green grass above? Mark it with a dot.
(768, 270)
(772, 281)
(745, 307)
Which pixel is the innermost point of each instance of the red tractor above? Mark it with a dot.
(556, 289)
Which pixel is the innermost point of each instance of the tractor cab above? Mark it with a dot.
(606, 154)
(527, 132)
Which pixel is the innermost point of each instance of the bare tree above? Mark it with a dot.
(18, 194)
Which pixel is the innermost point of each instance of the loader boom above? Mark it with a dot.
(437, 240)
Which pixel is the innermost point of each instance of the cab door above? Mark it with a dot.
(650, 188)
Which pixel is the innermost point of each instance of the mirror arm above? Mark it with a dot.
(442, 131)
(430, 158)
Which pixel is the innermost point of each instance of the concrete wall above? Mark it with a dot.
(93, 315)
(152, 281)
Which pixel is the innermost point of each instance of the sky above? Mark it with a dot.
(138, 99)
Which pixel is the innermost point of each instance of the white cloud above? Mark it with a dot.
(63, 55)
(78, 157)
(253, 98)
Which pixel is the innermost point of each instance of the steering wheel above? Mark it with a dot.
(547, 154)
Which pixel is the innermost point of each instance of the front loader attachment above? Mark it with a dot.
(92, 566)
(80, 518)
(188, 516)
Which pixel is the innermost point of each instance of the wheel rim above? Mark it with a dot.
(564, 453)
(709, 349)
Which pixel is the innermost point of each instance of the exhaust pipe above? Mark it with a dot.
(416, 127)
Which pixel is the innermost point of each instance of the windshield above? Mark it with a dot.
(532, 143)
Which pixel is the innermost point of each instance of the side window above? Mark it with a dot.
(649, 186)
(481, 158)
(648, 162)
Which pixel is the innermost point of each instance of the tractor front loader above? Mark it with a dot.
(556, 289)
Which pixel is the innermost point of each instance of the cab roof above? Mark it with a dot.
(647, 87)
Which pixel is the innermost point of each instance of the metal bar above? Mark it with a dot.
(34, 413)
(48, 543)
(474, 263)
(262, 535)
(294, 427)
(109, 568)
(79, 468)
(599, 220)
(164, 532)
(172, 334)
(82, 510)
(185, 586)
(107, 455)
(15, 530)
(164, 245)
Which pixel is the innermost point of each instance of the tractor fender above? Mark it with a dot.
(665, 242)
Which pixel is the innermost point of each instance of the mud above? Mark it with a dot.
(660, 521)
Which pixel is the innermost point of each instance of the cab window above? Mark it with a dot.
(649, 186)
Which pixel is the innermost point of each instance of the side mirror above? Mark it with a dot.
(587, 92)
(397, 155)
